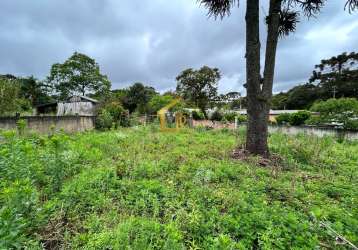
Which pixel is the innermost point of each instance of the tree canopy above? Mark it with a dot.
(79, 74)
(136, 98)
(199, 86)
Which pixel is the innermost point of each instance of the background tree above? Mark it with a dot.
(278, 101)
(9, 96)
(343, 111)
(337, 77)
(282, 18)
(302, 96)
(137, 97)
(79, 74)
(34, 90)
(159, 101)
(199, 87)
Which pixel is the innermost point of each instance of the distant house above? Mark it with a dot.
(75, 105)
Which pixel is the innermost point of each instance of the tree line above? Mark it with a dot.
(335, 77)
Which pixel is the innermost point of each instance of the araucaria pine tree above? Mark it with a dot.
(281, 21)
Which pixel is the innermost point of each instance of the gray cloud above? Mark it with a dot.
(153, 40)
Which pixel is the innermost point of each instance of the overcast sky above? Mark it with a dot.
(152, 41)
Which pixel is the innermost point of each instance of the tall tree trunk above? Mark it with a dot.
(256, 138)
(258, 96)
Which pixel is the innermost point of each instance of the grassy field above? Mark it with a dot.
(141, 189)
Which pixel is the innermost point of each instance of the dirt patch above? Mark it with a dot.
(243, 155)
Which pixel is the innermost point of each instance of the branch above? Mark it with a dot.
(351, 5)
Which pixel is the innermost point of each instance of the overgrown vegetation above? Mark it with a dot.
(294, 119)
(140, 189)
(343, 112)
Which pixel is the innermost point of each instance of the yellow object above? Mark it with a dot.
(179, 118)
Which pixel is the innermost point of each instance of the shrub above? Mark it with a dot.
(299, 118)
(21, 126)
(159, 101)
(343, 111)
(230, 116)
(104, 120)
(283, 119)
(112, 114)
(242, 118)
(198, 115)
(216, 116)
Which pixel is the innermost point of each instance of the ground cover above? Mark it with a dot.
(138, 188)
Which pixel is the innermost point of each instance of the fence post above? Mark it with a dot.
(236, 120)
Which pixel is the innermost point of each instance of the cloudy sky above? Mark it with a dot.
(152, 41)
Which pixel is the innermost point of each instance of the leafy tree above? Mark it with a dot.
(79, 74)
(282, 18)
(199, 86)
(342, 111)
(9, 96)
(279, 101)
(302, 96)
(337, 76)
(159, 101)
(137, 98)
(33, 90)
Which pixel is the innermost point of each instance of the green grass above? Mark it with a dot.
(141, 189)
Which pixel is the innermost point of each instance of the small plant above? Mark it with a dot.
(21, 126)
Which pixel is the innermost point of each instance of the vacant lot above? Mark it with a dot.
(142, 189)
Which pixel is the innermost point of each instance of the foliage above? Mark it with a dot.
(35, 91)
(79, 74)
(337, 76)
(158, 102)
(10, 101)
(120, 189)
(283, 118)
(229, 116)
(199, 86)
(217, 115)
(198, 115)
(137, 97)
(104, 120)
(241, 118)
(343, 111)
(21, 126)
(299, 118)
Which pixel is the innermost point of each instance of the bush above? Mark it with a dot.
(112, 114)
(283, 119)
(230, 116)
(242, 118)
(104, 120)
(342, 112)
(299, 118)
(216, 116)
(198, 115)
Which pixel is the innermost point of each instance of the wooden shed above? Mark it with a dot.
(75, 105)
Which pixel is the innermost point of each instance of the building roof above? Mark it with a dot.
(272, 112)
(84, 98)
